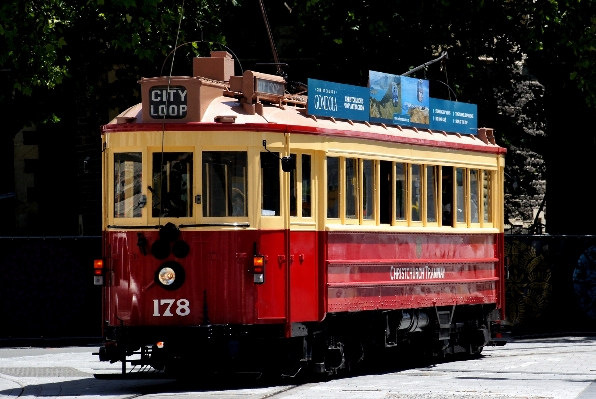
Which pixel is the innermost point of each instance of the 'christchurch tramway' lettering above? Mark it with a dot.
(416, 273)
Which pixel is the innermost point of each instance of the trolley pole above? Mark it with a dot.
(287, 186)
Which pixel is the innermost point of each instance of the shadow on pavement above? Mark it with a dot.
(146, 385)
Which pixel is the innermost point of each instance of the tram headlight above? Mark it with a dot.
(170, 275)
(167, 276)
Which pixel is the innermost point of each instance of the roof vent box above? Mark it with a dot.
(220, 66)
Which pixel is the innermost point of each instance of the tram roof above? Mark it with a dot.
(294, 119)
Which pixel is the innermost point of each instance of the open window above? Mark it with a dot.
(224, 184)
(270, 184)
(447, 199)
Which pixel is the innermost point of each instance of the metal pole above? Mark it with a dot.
(443, 55)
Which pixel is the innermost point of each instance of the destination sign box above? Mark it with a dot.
(168, 102)
(269, 87)
(337, 100)
(452, 116)
(398, 100)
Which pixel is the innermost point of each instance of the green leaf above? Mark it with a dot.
(128, 18)
(572, 75)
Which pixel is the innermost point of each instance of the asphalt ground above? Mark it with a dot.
(537, 368)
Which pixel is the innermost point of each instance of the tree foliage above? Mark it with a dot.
(515, 59)
(92, 51)
(518, 60)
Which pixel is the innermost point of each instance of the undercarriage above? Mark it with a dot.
(339, 343)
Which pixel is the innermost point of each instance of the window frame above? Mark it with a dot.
(394, 220)
(344, 192)
(200, 217)
(138, 221)
(280, 174)
(478, 192)
(438, 214)
(491, 199)
(375, 217)
(410, 181)
(299, 219)
(190, 183)
(176, 220)
(339, 217)
(465, 197)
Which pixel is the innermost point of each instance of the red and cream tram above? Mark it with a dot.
(240, 231)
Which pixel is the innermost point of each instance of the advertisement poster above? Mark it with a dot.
(451, 116)
(398, 100)
(337, 100)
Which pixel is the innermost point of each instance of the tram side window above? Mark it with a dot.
(333, 187)
(416, 193)
(224, 183)
(293, 189)
(172, 184)
(486, 196)
(431, 193)
(447, 195)
(400, 191)
(368, 184)
(128, 174)
(270, 184)
(306, 188)
(305, 180)
(352, 188)
(460, 194)
(474, 201)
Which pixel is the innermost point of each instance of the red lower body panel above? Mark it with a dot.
(403, 271)
(311, 274)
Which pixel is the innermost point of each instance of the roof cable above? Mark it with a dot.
(163, 124)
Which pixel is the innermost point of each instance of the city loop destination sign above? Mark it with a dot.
(392, 100)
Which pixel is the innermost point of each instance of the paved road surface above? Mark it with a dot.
(556, 368)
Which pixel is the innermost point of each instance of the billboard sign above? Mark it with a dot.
(452, 116)
(337, 100)
(398, 100)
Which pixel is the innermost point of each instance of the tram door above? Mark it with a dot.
(303, 272)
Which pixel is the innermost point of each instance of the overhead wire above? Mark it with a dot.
(163, 124)
(271, 42)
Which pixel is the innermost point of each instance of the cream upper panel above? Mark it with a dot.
(332, 146)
